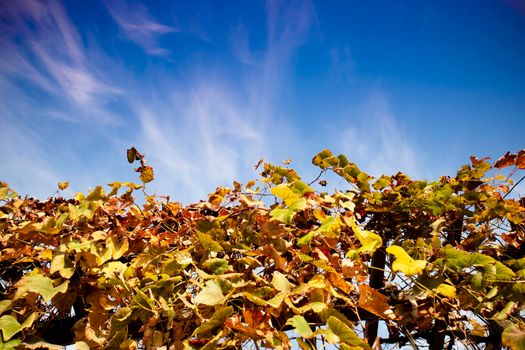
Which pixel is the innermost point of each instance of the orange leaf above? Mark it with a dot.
(373, 301)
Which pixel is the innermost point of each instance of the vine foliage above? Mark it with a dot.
(276, 263)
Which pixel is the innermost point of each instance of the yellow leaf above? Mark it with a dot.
(280, 282)
(370, 241)
(63, 185)
(285, 193)
(446, 290)
(146, 174)
(404, 262)
(210, 295)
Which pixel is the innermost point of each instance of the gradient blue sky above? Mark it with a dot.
(205, 89)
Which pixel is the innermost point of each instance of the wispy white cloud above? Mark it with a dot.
(204, 129)
(198, 138)
(378, 142)
(44, 48)
(48, 76)
(214, 128)
(138, 26)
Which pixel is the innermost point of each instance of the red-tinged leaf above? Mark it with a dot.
(133, 154)
(520, 159)
(506, 160)
(476, 161)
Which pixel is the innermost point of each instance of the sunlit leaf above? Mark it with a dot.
(280, 282)
(146, 174)
(404, 262)
(301, 326)
(211, 294)
(370, 241)
(10, 326)
(62, 265)
(39, 284)
(373, 301)
(283, 215)
(446, 290)
(345, 333)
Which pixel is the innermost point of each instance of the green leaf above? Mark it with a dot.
(382, 182)
(300, 188)
(298, 205)
(41, 285)
(503, 272)
(210, 295)
(318, 159)
(301, 326)
(345, 333)
(209, 243)
(280, 282)
(283, 215)
(63, 265)
(404, 262)
(306, 239)
(514, 337)
(216, 266)
(10, 345)
(459, 259)
(506, 311)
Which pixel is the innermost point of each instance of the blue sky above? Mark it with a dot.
(205, 89)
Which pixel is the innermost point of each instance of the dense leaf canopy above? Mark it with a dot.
(382, 263)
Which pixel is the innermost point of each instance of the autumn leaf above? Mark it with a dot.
(39, 284)
(211, 294)
(146, 174)
(506, 160)
(301, 326)
(10, 326)
(345, 333)
(373, 301)
(520, 159)
(280, 282)
(446, 290)
(404, 262)
(514, 337)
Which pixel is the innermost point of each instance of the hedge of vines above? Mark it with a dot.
(277, 263)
